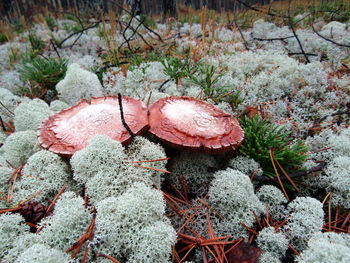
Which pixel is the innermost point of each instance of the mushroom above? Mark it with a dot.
(70, 130)
(185, 122)
(181, 122)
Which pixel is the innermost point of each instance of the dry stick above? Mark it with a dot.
(59, 45)
(143, 39)
(249, 229)
(239, 241)
(290, 20)
(272, 39)
(162, 85)
(148, 28)
(257, 219)
(328, 39)
(10, 113)
(127, 40)
(55, 48)
(126, 126)
(149, 99)
(242, 36)
(336, 217)
(300, 53)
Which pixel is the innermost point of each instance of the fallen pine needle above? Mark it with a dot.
(278, 176)
(151, 168)
(109, 257)
(149, 161)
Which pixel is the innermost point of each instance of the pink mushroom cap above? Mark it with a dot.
(70, 130)
(185, 122)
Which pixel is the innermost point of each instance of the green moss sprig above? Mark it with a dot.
(263, 138)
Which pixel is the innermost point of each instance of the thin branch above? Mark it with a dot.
(126, 126)
(10, 113)
(242, 36)
(59, 45)
(328, 39)
(290, 19)
(54, 47)
(127, 40)
(148, 28)
(162, 85)
(272, 39)
(299, 53)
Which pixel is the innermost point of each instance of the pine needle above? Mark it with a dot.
(287, 176)
(109, 257)
(151, 168)
(277, 174)
(149, 161)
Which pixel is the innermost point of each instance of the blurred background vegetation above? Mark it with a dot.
(13, 10)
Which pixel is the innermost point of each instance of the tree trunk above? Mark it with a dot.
(169, 8)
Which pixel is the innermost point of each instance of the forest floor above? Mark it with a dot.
(283, 195)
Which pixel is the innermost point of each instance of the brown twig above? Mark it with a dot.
(328, 39)
(126, 126)
(290, 20)
(10, 113)
(242, 36)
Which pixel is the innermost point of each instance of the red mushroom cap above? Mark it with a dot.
(70, 130)
(185, 122)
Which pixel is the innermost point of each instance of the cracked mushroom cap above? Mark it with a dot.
(192, 124)
(70, 130)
